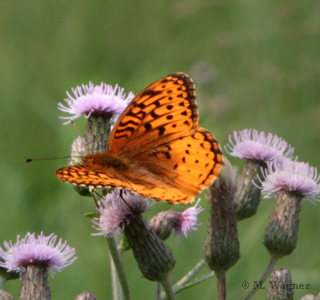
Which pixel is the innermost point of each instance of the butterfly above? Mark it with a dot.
(156, 148)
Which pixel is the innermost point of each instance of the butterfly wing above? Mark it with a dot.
(159, 131)
(166, 109)
(190, 163)
(174, 172)
(157, 148)
(95, 175)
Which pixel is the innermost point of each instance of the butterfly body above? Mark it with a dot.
(156, 149)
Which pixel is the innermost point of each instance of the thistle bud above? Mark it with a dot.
(163, 223)
(97, 133)
(221, 250)
(281, 235)
(154, 258)
(247, 197)
(78, 150)
(280, 285)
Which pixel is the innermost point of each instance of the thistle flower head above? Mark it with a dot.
(251, 145)
(40, 250)
(187, 220)
(170, 221)
(116, 209)
(291, 176)
(95, 99)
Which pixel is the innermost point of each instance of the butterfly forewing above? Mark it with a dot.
(165, 109)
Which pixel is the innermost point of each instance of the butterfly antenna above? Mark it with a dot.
(50, 158)
(76, 127)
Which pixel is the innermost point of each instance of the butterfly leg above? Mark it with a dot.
(121, 193)
(94, 194)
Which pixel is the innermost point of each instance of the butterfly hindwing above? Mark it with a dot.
(188, 163)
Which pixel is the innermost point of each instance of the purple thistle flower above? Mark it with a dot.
(86, 296)
(291, 176)
(90, 99)
(115, 211)
(166, 222)
(251, 145)
(187, 220)
(38, 250)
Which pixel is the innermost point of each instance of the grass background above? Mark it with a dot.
(256, 64)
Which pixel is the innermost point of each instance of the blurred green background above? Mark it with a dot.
(256, 64)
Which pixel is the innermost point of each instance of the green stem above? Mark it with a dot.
(115, 283)
(119, 268)
(183, 284)
(264, 276)
(167, 286)
(189, 276)
(158, 291)
(2, 281)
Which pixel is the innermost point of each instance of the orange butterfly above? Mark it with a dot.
(156, 148)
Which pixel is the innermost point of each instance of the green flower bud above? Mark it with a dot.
(247, 198)
(154, 258)
(221, 250)
(281, 235)
(97, 133)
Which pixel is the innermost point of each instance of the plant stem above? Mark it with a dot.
(5, 296)
(264, 276)
(221, 286)
(189, 276)
(115, 283)
(158, 291)
(2, 281)
(119, 268)
(167, 286)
